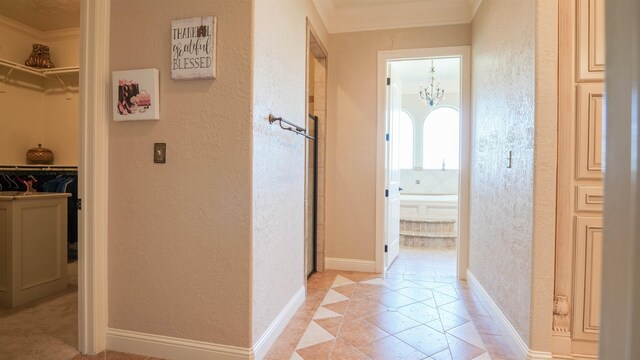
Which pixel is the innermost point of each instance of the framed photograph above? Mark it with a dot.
(193, 48)
(136, 95)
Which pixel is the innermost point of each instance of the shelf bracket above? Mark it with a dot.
(65, 87)
(3, 85)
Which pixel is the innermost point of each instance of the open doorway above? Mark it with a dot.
(39, 102)
(425, 161)
(90, 94)
(428, 136)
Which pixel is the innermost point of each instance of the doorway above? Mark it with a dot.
(423, 161)
(92, 170)
(314, 153)
(40, 102)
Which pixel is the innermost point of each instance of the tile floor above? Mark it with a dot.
(417, 310)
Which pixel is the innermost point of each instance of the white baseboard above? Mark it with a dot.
(262, 346)
(349, 264)
(171, 348)
(519, 347)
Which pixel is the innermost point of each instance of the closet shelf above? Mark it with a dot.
(53, 73)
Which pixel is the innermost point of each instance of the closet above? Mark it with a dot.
(579, 241)
(40, 106)
(39, 202)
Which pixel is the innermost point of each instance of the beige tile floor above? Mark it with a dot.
(417, 310)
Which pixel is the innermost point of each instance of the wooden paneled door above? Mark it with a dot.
(579, 241)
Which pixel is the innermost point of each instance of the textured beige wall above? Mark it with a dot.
(503, 120)
(278, 155)
(351, 130)
(35, 110)
(180, 232)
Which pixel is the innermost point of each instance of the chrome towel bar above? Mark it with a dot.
(295, 128)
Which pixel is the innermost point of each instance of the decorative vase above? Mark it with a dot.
(40, 155)
(39, 57)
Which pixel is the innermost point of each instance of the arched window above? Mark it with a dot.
(441, 139)
(405, 140)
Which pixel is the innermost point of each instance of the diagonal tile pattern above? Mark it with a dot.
(421, 313)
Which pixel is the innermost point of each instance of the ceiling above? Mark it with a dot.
(361, 15)
(44, 15)
(338, 15)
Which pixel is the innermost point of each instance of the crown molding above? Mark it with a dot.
(18, 26)
(62, 33)
(392, 15)
(39, 35)
(473, 7)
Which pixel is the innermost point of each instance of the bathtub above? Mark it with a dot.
(428, 207)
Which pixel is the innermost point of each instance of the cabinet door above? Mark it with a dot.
(590, 40)
(589, 131)
(588, 262)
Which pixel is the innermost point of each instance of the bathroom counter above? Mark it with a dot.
(23, 195)
(33, 245)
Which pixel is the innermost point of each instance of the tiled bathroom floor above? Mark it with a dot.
(418, 310)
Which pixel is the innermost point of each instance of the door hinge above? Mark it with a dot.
(386, 248)
(388, 81)
(387, 137)
(79, 204)
(386, 192)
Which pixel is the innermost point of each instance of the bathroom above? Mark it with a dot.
(429, 158)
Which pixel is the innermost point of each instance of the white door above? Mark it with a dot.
(392, 200)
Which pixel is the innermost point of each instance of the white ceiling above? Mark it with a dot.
(338, 15)
(44, 15)
(415, 72)
(361, 15)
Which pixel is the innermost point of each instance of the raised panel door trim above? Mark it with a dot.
(593, 285)
(590, 40)
(589, 198)
(586, 312)
(55, 235)
(589, 132)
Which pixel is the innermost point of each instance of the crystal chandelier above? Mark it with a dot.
(432, 93)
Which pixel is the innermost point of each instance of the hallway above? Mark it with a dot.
(418, 310)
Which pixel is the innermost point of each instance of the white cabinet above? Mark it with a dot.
(33, 246)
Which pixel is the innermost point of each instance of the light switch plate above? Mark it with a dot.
(160, 153)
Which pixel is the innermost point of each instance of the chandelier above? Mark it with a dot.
(432, 93)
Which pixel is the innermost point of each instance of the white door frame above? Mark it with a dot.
(464, 52)
(93, 175)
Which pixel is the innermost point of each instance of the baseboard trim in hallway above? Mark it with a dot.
(519, 347)
(171, 348)
(262, 346)
(343, 264)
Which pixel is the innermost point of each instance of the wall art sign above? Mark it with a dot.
(136, 95)
(193, 48)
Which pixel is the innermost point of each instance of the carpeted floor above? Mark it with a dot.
(44, 330)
